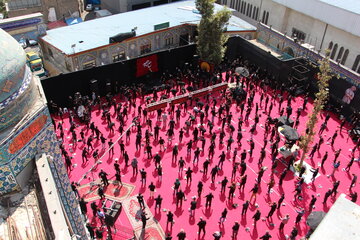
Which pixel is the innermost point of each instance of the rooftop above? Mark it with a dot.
(347, 12)
(95, 33)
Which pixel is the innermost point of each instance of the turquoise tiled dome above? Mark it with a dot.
(12, 66)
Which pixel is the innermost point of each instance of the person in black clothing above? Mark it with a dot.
(243, 182)
(158, 201)
(209, 198)
(90, 230)
(99, 233)
(312, 202)
(168, 236)
(206, 166)
(235, 230)
(294, 233)
(101, 191)
(272, 209)
(94, 207)
(266, 236)
(214, 172)
(257, 216)
(179, 198)
(201, 224)
(245, 207)
(188, 175)
(144, 219)
(140, 199)
(103, 176)
(83, 206)
(223, 216)
(281, 199)
(223, 185)
(327, 195)
(170, 219)
(181, 235)
(117, 166)
(200, 188)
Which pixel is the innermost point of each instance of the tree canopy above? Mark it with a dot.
(211, 37)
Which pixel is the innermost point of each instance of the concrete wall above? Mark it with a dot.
(284, 19)
(62, 8)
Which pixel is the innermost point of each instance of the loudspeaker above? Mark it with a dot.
(94, 86)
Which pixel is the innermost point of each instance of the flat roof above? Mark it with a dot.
(341, 222)
(349, 5)
(347, 12)
(95, 33)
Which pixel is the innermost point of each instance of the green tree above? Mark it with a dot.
(211, 37)
(323, 76)
(3, 8)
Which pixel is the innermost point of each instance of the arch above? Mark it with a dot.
(333, 53)
(289, 51)
(356, 63)
(330, 45)
(339, 56)
(343, 60)
(267, 18)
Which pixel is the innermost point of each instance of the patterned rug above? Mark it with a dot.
(153, 230)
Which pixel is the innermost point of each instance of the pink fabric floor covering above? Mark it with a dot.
(164, 187)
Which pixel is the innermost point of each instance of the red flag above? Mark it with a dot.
(146, 65)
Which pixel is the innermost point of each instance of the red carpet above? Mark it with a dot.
(170, 173)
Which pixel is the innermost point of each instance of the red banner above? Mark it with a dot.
(146, 65)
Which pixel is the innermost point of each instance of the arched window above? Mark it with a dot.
(257, 13)
(250, 10)
(263, 17)
(330, 45)
(244, 8)
(341, 51)
(343, 60)
(267, 18)
(254, 12)
(333, 53)
(356, 63)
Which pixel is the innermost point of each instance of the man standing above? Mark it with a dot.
(103, 176)
(201, 224)
(209, 198)
(245, 207)
(235, 230)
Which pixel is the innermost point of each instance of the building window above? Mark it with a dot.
(232, 4)
(298, 34)
(225, 2)
(257, 13)
(118, 56)
(356, 63)
(254, 13)
(89, 64)
(244, 9)
(146, 48)
(238, 5)
(339, 56)
(343, 60)
(330, 45)
(265, 17)
(333, 53)
(169, 39)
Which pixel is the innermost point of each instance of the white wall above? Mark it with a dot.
(284, 19)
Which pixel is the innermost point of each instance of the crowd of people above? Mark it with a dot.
(218, 130)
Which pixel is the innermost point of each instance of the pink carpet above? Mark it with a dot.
(212, 215)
